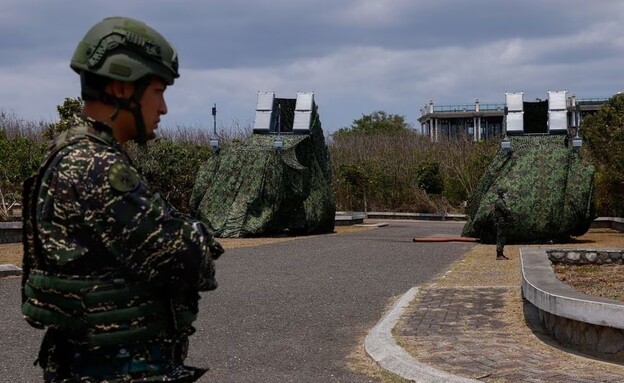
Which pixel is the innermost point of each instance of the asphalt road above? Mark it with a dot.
(285, 312)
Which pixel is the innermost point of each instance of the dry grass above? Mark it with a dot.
(359, 361)
(599, 280)
(479, 267)
(11, 253)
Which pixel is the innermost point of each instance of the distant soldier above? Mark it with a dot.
(110, 268)
(502, 214)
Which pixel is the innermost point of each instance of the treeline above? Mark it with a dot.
(603, 134)
(379, 163)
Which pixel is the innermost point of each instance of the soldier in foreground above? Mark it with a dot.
(502, 215)
(110, 268)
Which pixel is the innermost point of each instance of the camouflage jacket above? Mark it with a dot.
(89, 216)
(502, 214)
(96, 216)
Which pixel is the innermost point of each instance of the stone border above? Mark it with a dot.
(586, 256)
(9, 271)
(347, 219)
(382, 347)
(10, 232)
(590, 324)
(614, 223)
(416, 216)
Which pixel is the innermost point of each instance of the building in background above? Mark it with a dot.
(559, 113)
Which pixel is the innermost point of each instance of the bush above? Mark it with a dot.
(170, 168)
(21, 151)
(405, 171)
(603, 133)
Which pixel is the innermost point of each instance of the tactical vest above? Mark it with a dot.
(106, 312)
(96, 311)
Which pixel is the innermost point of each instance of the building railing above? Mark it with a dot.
(463, 108)
(492, 107)
(454, 108)
(595, 100)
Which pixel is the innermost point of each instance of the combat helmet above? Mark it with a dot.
(124, 49)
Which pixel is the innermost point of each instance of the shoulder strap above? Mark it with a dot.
(31, 186)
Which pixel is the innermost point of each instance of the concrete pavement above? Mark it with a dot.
(291, 312)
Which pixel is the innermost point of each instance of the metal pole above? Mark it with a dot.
(214, 119)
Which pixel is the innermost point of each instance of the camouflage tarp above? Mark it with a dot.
(550, 188)
(252, 189)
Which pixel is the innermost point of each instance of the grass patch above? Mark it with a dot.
(11, 253)
(598, 280)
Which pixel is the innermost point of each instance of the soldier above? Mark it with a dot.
(110, 268)
(501, 217)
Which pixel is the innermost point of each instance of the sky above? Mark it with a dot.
(357, 56)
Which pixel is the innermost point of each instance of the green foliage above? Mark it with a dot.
(354, 175)
(603, 134)
(378, 122)
(170, 167)
(20, 156)
(463, 163)
(428, 177)
(609, 195)
(67, 111)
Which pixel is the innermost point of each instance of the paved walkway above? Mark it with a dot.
(474, 332)
(472, 324)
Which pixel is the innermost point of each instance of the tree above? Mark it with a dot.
(603, 133)
(378, 122)
(67, 111)
(20, 156)
(428, 177)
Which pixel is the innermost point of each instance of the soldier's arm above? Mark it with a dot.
(139, 228)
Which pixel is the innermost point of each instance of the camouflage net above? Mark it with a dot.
(252, 189)
(550, 187)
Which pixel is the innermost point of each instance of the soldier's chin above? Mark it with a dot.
(151, 136)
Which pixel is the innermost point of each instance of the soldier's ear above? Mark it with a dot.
(120, 89)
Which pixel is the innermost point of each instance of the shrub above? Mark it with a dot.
(21, 152)
(170, 167)
(603, 133)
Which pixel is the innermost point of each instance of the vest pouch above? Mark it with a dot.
(124, 314)
(55, 302)
(107, 313)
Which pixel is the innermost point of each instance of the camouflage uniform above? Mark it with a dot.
(110, 268)
(501, 218)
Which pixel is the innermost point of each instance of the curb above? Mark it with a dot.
(9, 270)
(381, 346)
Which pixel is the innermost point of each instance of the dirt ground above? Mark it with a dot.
(480, 268)
(598, 280)
(11, 253)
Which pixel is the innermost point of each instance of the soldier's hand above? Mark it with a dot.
(215, 249)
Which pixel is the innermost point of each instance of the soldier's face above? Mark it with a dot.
(153, 105)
